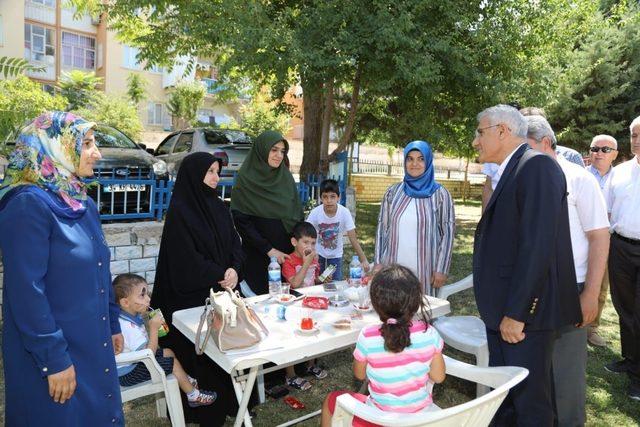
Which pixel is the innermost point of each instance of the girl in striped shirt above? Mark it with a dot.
(402, 357)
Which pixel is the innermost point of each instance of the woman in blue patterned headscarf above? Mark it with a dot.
(60, 319)
(416, 222)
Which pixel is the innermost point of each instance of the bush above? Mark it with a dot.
(183, 103)
(22, 100)
(113, 111)
(260, 115)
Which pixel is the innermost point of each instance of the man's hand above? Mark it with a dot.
(589, 306)
(365, 266)
(281, 256)
(511, 330)
(438, 279)
(62, 384)
(230, 279)
(118, 343)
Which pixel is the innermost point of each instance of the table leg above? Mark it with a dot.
(243, 394)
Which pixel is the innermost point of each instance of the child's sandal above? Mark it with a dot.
(317, 372)
(205, 398)
(298, 383)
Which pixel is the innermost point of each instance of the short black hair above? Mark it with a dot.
(124, 284)
(304, 229)
(329, 186)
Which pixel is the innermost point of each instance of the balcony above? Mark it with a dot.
(211, 85)
(39, 12)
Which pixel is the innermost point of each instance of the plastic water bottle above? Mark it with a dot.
(275, 277)
(355, 271)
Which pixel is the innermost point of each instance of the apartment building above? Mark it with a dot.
(46, 34)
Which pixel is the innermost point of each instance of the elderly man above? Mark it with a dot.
(523, 273)
(624, 260)
(590, 244)
(603, 151)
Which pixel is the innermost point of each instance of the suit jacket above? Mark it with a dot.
(522, 261)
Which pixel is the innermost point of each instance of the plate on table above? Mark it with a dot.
(342, 323)
(285, 299)
(361, 309)
(313, 331)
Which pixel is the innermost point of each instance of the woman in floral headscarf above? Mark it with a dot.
(60, 320)
(416, 222)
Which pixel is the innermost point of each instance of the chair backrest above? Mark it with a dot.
(477, 412)
(447, 290)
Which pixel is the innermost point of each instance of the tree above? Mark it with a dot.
(22, 100)
(260, 115)
(78, 87)
(184, 101)
(136, 88)
(114, 111)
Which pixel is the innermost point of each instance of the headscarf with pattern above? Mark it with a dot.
(47, 155)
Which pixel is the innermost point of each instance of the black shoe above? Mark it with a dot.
(634, 391)
(618, 367)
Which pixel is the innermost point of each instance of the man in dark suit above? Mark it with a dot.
(523, 272)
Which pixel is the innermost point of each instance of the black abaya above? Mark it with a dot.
(199, 243)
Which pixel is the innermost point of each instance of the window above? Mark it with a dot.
(50, 3)
(129, 57)
(155, 113)
(39, 43)
(78, 51)
(107, 136)
(166, 145)
(184, 143)
(215, 138)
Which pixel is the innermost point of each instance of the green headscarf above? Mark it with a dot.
(267, 192)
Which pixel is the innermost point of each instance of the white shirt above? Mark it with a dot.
(587, 212)
(330, 230)
(407, 241)
(135, 337)
(624, 199)
(491, 170)
(503, 166)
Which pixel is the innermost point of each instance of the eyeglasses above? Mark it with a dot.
(479, 130)
(603, 149)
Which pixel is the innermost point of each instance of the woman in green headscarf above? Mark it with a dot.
(265, 205)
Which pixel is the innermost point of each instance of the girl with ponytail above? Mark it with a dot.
(402, 357)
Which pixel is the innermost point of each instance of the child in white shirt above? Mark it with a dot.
(133, 298)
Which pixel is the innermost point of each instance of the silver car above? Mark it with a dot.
(232, 146)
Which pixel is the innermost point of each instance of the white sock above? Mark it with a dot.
(194, 394)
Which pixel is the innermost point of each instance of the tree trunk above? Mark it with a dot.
(327, 114)
(312, 93)
(353, 109)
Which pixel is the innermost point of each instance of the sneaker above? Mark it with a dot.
(634, 391)
(205, 398)
(617, 367)
(298, 383)
(594, 339)
(317, 372)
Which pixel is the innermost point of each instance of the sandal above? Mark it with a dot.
(205, 398)
(317, 372)
(193, 381)
(298, 383)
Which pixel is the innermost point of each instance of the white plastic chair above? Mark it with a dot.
(464, 333)
(159, 383)
(475, 413)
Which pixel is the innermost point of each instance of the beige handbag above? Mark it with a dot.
(230, 322)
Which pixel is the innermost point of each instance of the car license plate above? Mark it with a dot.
(119, 188)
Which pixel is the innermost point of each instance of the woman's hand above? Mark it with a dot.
(62, 384)
(280, 255)
(438, 279)
(230, 279)
(118, 343)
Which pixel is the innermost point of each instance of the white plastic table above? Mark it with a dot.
(284, 346)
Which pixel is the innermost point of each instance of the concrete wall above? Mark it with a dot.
(371, 188)
(134, 248)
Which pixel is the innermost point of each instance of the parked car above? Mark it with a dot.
(232, 146)
(123, 159)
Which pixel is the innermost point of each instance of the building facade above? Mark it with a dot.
(46, 33)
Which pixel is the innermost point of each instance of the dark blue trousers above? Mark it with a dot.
(530, 403)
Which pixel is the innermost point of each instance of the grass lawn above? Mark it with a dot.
(607, 404)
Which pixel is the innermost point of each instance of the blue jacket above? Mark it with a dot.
(58, 310)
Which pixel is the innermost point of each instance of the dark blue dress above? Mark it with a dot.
(58, 310)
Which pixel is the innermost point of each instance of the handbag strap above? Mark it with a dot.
(203, 318)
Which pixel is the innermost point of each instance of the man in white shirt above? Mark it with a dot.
(589, 227)
(624, 260)
(602, 153)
